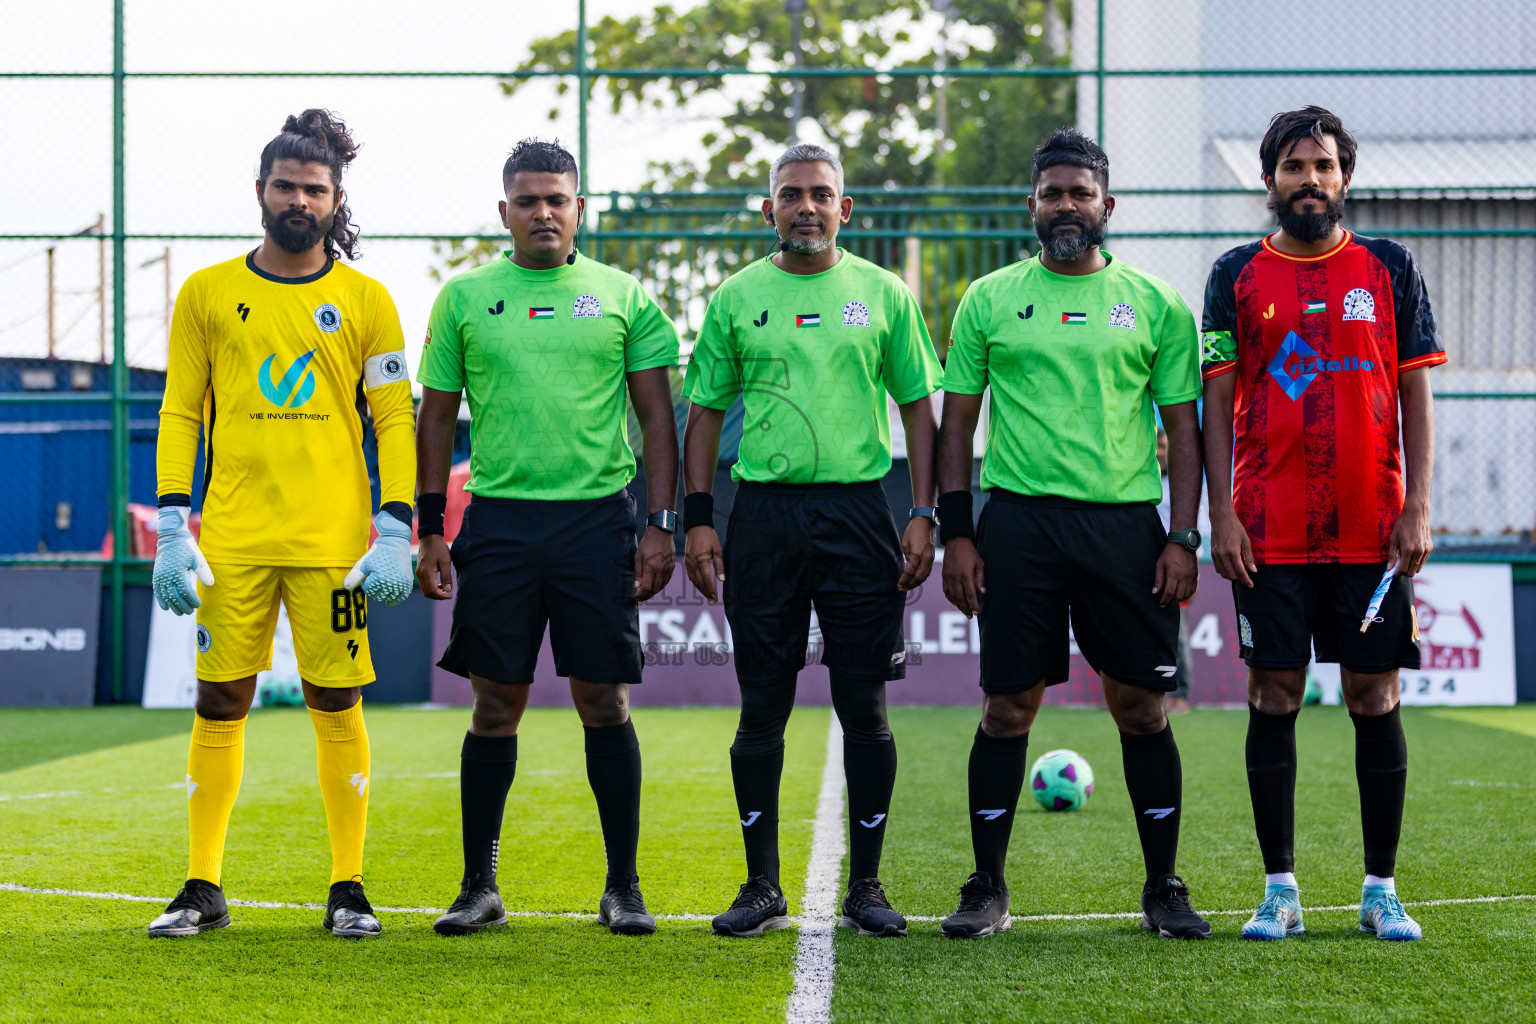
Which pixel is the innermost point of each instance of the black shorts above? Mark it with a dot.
(789, 547)
(1045, 555)
(524, 564)
(1292, 607)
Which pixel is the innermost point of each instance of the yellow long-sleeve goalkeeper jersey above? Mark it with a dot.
(273, 370)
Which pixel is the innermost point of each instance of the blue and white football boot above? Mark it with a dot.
(1278, 916)
(1382, 914)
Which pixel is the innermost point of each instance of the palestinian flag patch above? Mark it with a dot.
(1074, 318)
(807, 319)
(541, 313)
(1314, 307)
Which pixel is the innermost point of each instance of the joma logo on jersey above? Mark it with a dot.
(1296, 365)
(296, 387)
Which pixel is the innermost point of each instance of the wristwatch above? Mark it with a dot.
(1189, 539)
(666, 519)
(927, 511)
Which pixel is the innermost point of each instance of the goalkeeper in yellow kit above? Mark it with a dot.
(271, 357)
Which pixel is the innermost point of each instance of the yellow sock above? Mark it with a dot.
(343, 759)
(213, 781)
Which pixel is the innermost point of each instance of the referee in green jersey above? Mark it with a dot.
(545, 343)
(812, 339)
(1076, 347)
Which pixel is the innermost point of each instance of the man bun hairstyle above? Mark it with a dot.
(1310, 122)
(1069, 146)
(540, 157)
(318, 137)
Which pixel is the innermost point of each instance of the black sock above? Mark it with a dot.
(613, 770)
(870, 769)
(756, 777)
(486, 767)
(1381, 766)
(1271, 757)
(1155, 780)
(995, 778)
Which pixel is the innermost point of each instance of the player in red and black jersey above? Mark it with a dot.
(1316, 342)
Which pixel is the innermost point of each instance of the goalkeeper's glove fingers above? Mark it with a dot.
(385, 570)
(177, 561)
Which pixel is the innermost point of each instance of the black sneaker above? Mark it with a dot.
(1165, 909)
(348, 914)
(759, 907)
(198, 907)
(477, 908)
(866, 908)
(983, 910)
(622, 909)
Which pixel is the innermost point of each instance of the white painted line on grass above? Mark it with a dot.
(811, 1000)
(577, 914)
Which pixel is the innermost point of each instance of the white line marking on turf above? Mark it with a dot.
(811, 1000)
(577, 914)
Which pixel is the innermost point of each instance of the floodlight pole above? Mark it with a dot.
(581, 103)
(796, 11)
(119, 372)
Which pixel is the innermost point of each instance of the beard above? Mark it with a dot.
(807, 248)
(290, 234)
(1306, 227)
(1070, 248)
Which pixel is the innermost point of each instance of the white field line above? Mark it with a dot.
(811, 1000)
(123, 897)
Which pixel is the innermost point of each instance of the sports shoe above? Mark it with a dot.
(622, 909)
(198, 907)
(478, 907)
(348, 914)
(983, 910)
(866, 909)
(759, 907)
(1278, 916)
(1165, 909)
(1382, 914)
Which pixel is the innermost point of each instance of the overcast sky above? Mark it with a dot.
(431, 154)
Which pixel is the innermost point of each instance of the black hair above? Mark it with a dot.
(1311, 122)
(538, 155)
(318, 137)
(1067, 145)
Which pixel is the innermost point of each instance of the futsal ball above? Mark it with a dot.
(280, 693)
(1061, 780)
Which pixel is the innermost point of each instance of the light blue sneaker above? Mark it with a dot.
(1382, 914)
(1278, 916)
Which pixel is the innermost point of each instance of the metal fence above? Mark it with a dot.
(1178, 93)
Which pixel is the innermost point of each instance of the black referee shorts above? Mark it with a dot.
(1292, 607)
(524, 564)
(1046, 555)
(790, 547)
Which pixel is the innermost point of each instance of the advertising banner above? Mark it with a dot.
(49, 621)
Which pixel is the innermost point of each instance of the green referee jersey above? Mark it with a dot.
(1075, 365)
(542, 356)
(813, 357)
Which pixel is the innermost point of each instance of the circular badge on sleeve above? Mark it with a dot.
(204, 639)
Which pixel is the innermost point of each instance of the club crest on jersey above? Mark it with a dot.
(328, 318)
(1122, 314)
(204, 641)
(855, 314)
(586, 305)
(1359, 304)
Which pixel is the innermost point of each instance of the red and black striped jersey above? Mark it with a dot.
(1317, 343)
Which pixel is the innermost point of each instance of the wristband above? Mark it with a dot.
(955, 516)
(429, 514)
(698, 510)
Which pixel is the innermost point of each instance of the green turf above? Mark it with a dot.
(33, 735)
(116, 822)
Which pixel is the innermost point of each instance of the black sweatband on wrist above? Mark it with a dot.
(955, 516)
(429, 514)
(174, 501)
(698, 510)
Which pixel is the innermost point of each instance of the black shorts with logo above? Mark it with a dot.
(524, 564)
(790, 547)
(1044, 556)
(1292, 607)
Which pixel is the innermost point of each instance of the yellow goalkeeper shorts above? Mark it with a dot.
(239, 615)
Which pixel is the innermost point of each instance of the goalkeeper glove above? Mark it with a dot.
(177, 560)
(385, 571)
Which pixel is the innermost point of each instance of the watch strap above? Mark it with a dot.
(666, 519)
